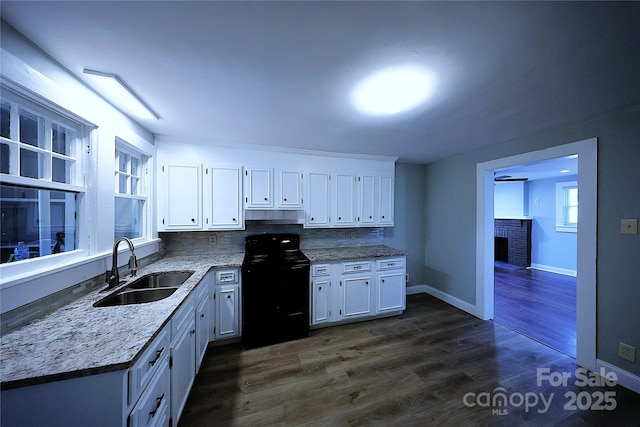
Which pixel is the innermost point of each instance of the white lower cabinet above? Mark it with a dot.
(227, 310)
(356, 290)
(356, 296)
(227, 304)
(183, 356)
(203, 322)
(153, 407)
(320, 300)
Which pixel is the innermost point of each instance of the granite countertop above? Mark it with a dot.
(79, 339)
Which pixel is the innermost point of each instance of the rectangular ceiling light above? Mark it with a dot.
(114, 89)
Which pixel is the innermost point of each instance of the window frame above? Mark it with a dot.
(20, 98)
(562, 205)
(143, 188)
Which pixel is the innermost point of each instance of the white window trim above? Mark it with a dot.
(561, 227)
(146, 185)
(85, 134)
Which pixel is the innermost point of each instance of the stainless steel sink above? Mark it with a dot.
(135, 296)
(166, 279)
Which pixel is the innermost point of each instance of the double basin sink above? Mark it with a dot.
(148, 288)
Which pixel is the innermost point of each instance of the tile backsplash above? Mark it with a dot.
(198, 242)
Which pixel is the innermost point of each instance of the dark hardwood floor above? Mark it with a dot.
(538, 304)
(414, 369)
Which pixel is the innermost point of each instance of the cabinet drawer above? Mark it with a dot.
(356, 266)
(183, 316)
(389, 264)
(144, 369)
(224, 277)
(153, 407)
(320, 270)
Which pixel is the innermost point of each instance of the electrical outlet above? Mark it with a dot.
(627, 352)
(353, 235)
(629, 226)
(213, 239)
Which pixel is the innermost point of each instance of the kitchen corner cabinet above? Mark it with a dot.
(356, 290)
(223, 198)
(227, 304)
(180, 197)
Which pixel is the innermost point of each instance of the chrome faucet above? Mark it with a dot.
(112, 278)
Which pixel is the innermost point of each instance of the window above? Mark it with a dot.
(130, 199)
(567, 206)
(39, 194)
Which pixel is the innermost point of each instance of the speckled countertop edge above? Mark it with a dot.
(79, 340)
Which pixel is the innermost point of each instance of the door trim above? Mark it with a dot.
(587, 151)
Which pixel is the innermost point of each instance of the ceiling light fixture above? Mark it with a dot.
(565, 171)
(114, 89)
(394, 90)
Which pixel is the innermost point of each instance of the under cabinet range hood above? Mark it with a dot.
(275, 216)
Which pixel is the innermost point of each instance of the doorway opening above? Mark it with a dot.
(585, 234)
(535, 251)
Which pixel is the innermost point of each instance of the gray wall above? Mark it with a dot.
(549, 247)
(408, 231)
(450, 215)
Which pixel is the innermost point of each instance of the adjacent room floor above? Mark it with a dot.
(538, 304)
(434, 365)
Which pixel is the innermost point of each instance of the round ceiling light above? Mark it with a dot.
(393, 90)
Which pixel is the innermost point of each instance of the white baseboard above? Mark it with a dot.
(552, 269)
(449, 299)
(625, 379)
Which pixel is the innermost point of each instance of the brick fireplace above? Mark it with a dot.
(513, 241)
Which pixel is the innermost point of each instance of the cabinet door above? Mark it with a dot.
(356, 296)
(391, 291)
(366, 215)
(202, 329)
(385, 200)
(345, 214)
(317, 200)
(227, 310)
(223, 199)
(182, 197)
(259, 188)
(320, 301)
(290, 189)
(183, 369)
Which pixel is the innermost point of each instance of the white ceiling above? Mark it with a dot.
(279, 73)
(552, 168)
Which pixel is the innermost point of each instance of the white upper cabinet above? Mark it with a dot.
(367, 187)
(345, 200)
(290, 190)
(317, 212)
(196, 191)
(223, 198)
(385, 200)
(259, 188)
(180, 197)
